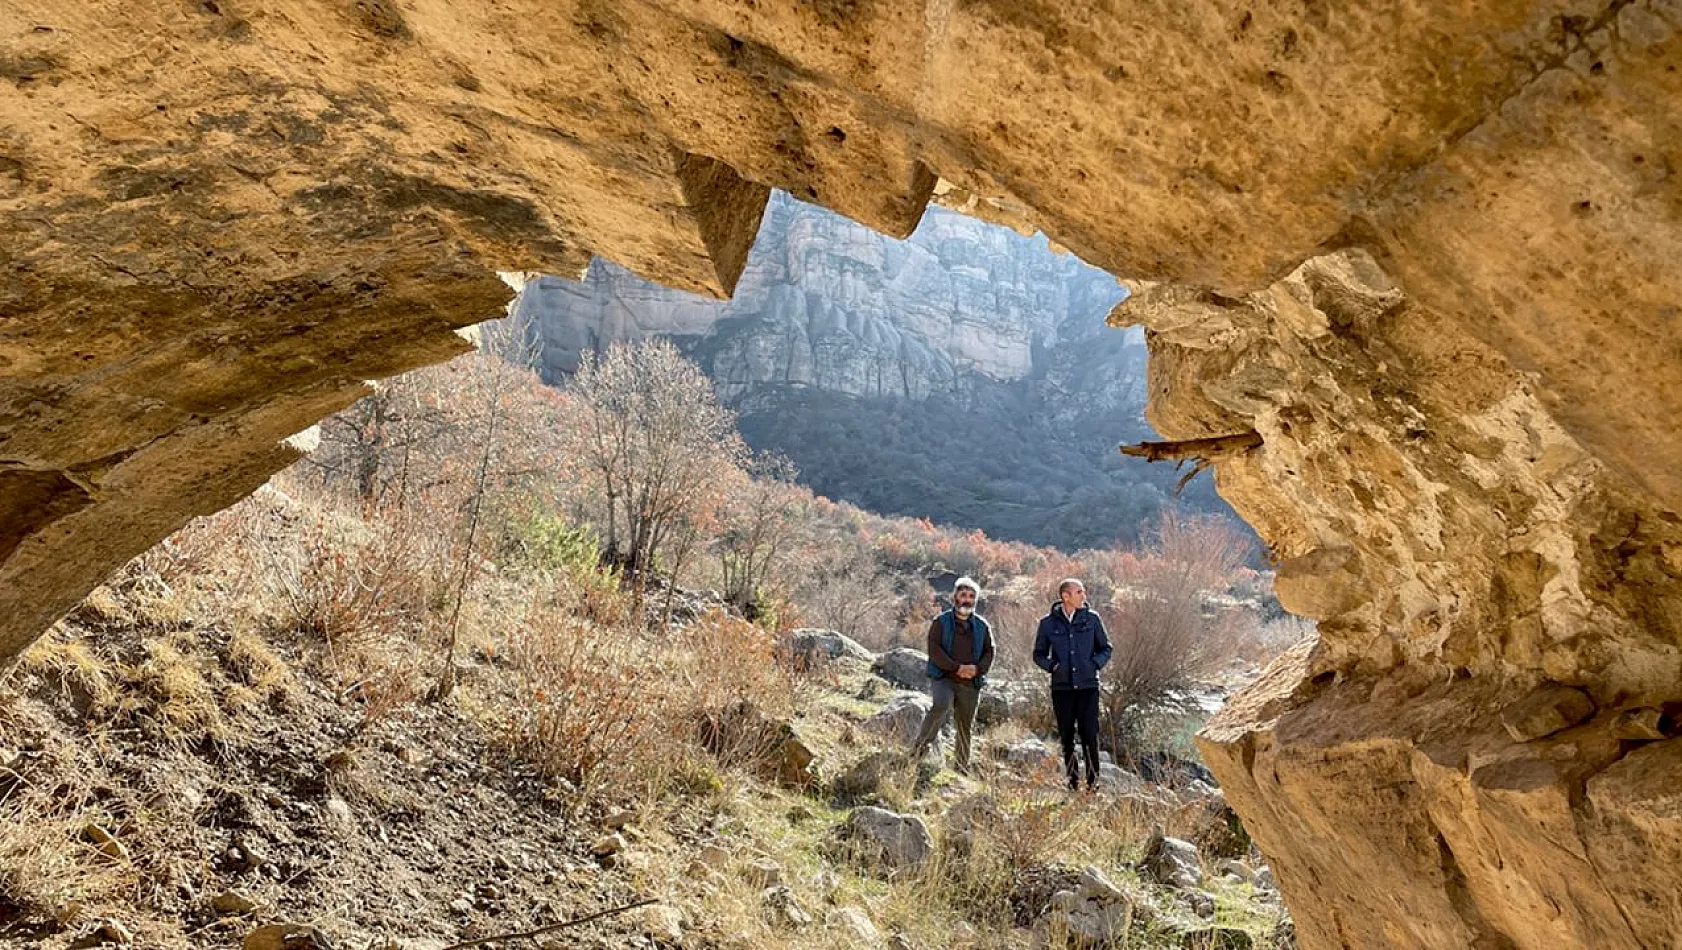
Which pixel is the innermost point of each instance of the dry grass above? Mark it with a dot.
(589, 705)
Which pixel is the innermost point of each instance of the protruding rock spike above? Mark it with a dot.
(727, 209)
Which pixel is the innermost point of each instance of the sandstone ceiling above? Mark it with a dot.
(1429, 250)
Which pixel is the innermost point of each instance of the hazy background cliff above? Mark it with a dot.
(964, 375)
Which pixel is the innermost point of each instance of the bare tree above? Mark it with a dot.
(761, 517)
(854, 597)
(1165, 632)
(653, 435)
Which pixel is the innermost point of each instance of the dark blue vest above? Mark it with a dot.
(949, 632)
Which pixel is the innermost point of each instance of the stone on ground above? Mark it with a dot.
(902, 717)
(896, 842)
(1172, 862)
(903, 667)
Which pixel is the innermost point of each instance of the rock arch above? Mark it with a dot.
(1427, 250)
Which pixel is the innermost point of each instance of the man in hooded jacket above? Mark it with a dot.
(1072, 646)
(960, 653)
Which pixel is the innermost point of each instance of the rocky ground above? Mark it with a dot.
(170, 783)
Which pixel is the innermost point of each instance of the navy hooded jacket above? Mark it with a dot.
(1072, 651)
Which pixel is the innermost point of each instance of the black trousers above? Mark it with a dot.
(1077, 709)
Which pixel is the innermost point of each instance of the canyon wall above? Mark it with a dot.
(1426, 249)
(965, 338)
(826, 304)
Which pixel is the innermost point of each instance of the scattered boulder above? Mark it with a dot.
(1030, 753)
(897, 842)
(1238, 870)
(856, 923)
(232, 904)
(867, 776)
(902, 717)
(286, 937)
(1202, 903)
(1033, 888)
(764, 873)
(1171, 862)
(608, 845)
(973, 813)
(1095, 913)
(1116, 779)
(793, 761)
(1546, 710)
(663, 922)
(993, 708)
(743, 732)
(813, 645)
(783, 909)
(903, 667)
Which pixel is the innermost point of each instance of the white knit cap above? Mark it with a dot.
(969, 582)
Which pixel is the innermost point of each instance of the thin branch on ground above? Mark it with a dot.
(528, 934)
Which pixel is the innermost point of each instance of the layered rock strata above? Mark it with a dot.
(826, 304)
(218, 217)
(1466, 755)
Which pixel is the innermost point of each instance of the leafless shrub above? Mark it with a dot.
(589, 704)
(1164, 634)
(348, 581)
(854, 597)
(738, 688)
(654, 439)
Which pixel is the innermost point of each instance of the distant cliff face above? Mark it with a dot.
(964, 375)
(827, 304)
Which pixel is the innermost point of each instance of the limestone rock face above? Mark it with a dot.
(1492, 600)
(827, 304)
(1426, 250)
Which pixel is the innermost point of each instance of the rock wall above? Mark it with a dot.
(1466, 756)
(827, 304)
(218, 217)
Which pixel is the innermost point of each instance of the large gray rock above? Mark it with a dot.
(813, 644)
(1096, 912)
(856, 924)
(993, 709)
(895, 842)
(866, 776)
(1172, 862)
(1116, 779)
(904, 667)
(1029, 753)
(902, 717)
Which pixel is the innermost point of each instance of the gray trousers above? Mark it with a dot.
(950, 696)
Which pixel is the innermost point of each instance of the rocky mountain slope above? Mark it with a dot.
(177, 774)
(874, 363)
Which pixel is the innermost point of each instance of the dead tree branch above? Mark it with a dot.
(527, 934)
(1205, 449)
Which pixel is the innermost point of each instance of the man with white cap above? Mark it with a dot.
(960, 652)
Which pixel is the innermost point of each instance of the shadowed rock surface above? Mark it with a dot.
(1426, 250)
